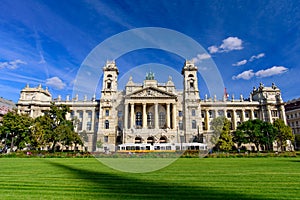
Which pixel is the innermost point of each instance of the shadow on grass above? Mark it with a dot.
(118, 185)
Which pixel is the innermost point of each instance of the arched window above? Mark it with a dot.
(106, 124)
(163, 139)
(108, 85)
(150, 120)
(162, 119)
(191, 84)
(150, 140)
(191, 76)
(138, 140)
(138, 119)
(109, 76)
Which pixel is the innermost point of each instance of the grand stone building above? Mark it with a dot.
(152, 112)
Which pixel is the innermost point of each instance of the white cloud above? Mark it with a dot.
(229, 44)
(242, 62)
(251, 59)
(201, 57)
(244, 75)
(255, 57)
(213, 49)
(12, 64)
(55, 82)
(275, 70)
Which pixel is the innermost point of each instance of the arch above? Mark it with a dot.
(138, 140)
(163, 139)
(191, 76)
(109, 76)
(150, 140)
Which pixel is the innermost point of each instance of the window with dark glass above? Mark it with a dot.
(138, 119)
(106, 125)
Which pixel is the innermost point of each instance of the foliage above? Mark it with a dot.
(297, 140)
(222, 137)
(52, 127)
(15, 129)
(257, 132)
(284, 133)
(57, 128)
(99, 144)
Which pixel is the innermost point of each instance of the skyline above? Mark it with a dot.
(45, 42)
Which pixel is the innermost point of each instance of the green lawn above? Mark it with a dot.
(187, 178)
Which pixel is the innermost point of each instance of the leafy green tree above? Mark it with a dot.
(257, 132)
(15, 129)
(297, 141)
(56, 128)
(221, 137)
(284, 133)
(268, 136)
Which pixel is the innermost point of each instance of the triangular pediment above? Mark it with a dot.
(151, 92)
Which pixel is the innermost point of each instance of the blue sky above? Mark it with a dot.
(45, 42)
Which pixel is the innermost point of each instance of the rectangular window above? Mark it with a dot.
(180, 124)
(255, 114)
(105, 139)
(180, 113)
(89, 126)
(120, 113)
(202, 114)
(221, 112)
(194, 124)
(106, 113)
(106, 125)
(247, 114)
(79, 128)
(211, 114)
(193, 112)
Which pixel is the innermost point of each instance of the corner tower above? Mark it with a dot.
(110, 78)
(191, 102)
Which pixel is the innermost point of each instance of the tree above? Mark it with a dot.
(297, 141)
(222, 137)
(284, 133)
(15, 129)
(56, 128)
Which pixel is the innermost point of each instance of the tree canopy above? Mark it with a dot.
(18, 130)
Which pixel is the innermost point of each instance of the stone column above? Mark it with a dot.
(216, 113)
(144, 116)
(252, 114)
(270, 115)
(243, 115)
(282, 113)
(207, 119)
(132, 115)
(156, 115)
(84, 117)
(126, 116)
(93, 121)
(168, 116)
(234, 119)
(174, 121)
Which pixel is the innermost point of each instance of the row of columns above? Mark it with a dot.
(85, 117)
(233, 117)
(144, 115)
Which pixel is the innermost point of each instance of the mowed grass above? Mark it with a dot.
(186, 178)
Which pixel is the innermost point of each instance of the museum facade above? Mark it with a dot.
(152, 112)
